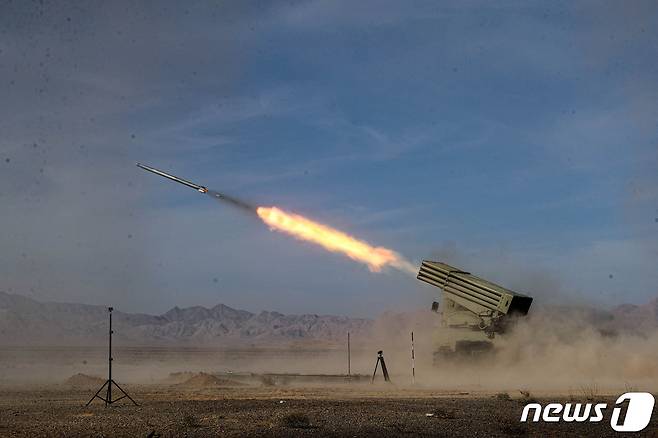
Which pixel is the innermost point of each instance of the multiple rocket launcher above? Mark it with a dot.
(474, 293)
(475, 309)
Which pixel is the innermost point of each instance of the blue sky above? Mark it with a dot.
(517, 140)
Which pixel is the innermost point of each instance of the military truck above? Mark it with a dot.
(473, 310)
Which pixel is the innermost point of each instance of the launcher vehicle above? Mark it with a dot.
(473, 310)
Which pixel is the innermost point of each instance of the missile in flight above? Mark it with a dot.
(236, 202)
(185, 182)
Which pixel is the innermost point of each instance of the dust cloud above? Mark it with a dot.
(556, 350)
(574, 352)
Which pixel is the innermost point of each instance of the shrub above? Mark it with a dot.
(190, 420)
(267, 381)
(296, 420)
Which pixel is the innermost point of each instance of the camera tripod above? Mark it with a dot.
(109, 382)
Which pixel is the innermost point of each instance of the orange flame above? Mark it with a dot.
(333, 240)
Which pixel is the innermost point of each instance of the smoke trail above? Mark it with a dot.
(235, 202)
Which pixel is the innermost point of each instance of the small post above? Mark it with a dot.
(413, 361)
(349, 364)
(108, 398)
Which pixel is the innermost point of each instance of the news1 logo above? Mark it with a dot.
(638, 410)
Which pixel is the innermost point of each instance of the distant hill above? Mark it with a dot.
(641, 319)
(24, 321)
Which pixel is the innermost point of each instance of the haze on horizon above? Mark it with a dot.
(516, 141)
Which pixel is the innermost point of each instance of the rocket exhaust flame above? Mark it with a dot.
(333, 240)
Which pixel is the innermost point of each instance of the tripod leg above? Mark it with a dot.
(125, 393)
(108, 397)
(375, 372)
(385, 371)
(97, 392)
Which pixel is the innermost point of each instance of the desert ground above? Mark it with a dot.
(277, 411)
(192, 392)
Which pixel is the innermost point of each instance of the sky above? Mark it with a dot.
(514, 140)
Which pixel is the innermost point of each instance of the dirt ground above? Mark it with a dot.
(351, 410)
(199, 393)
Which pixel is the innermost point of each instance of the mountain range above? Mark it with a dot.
(25, 321)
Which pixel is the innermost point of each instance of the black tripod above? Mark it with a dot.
(380, 358)
(109, 382)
